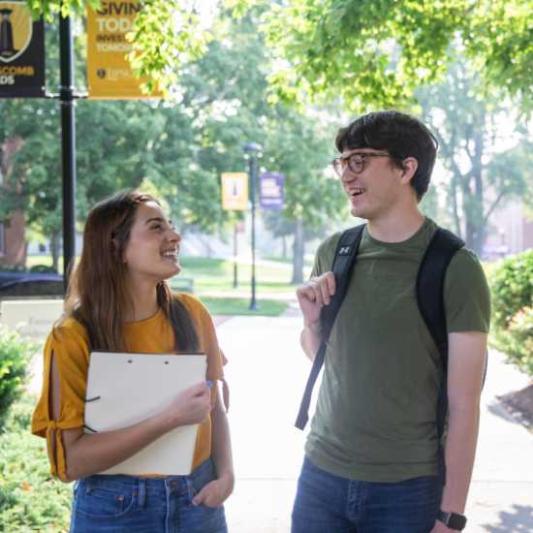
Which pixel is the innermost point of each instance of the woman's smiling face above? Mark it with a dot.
(153, 246)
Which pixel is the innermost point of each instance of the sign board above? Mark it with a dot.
(271, 191)
(235, 191)
(109, 74)
(31, 318)
(21, 52)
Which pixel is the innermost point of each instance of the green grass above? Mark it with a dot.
(46, 260)
(213, 283)
(216, 275)
(240, 306)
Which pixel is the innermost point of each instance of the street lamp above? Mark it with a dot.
(252, 151)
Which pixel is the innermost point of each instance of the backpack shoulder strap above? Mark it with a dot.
(430, 300)
(430, 285)
(343, 263)
(342, 267)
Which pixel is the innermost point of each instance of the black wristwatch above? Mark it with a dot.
(452, 520)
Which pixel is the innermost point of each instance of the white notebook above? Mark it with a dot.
(125, 388)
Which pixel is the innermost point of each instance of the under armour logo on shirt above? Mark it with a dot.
(344, 250)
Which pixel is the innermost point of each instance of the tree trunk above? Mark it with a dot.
(475, 223)
(298, 252)
(54, 250)
(15, 252)
(454, 204)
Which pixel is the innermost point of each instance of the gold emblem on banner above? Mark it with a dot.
(16, 27)
(234, 191)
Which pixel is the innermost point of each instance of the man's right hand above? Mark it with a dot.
(313, 295)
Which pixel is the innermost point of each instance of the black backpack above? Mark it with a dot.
(429, 296)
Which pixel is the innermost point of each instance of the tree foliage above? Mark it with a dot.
(166, 34)
(227, 93)
(474, 134)
(371, 53)
(512, 295)
(375, 53)
(181, 146)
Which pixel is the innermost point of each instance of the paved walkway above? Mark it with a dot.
(267, 371)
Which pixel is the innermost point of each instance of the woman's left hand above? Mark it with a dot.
(215, 492)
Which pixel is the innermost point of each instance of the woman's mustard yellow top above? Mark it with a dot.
(68, 344)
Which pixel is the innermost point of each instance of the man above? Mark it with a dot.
(371, 462)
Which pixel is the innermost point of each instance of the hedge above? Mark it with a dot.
(15, 354)
(30, 499)
(512, 309)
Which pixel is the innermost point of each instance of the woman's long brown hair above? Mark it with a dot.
(98, 295)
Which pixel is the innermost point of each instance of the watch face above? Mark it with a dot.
(453, 520)
(456, 521)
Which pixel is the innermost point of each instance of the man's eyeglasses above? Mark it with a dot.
(355, 162)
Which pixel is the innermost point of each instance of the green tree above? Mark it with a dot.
(113, 152)
(471, 131)
(183, 145)
(369, 52)
(301, 150)
(31, 165)
(227, 92)
(375, 53)
(166, 35)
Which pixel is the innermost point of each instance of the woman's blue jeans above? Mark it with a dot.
(326, 503)
(116, 504)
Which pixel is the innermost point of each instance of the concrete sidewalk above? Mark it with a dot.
(267, 373)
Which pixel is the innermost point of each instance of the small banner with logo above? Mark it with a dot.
(21, 52)
(109, 74)
(271, 191)
(234, 191)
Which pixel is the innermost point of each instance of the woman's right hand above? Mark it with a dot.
(190, 406)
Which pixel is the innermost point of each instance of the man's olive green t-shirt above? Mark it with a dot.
(375, 418)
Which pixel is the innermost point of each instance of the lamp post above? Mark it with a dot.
(68, 145)
(252, 150)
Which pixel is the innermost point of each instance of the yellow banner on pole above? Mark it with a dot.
(109, 74)
(234, 191)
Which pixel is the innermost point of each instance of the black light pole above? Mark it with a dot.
(235, 254)
(68, 144)
(253, 150)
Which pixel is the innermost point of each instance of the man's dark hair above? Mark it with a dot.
(400, 135)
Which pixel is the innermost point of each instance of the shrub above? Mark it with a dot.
(30, 499)
(512, 303)
(15, 355)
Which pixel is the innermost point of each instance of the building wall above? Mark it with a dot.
(527, 234)
(15, 242)
(510, 232)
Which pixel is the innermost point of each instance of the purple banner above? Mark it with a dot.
(271, 189)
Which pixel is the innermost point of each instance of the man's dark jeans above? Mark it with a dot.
(326, 503)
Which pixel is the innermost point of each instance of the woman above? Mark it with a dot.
(118, 301)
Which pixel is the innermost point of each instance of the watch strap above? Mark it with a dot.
(454, 521)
